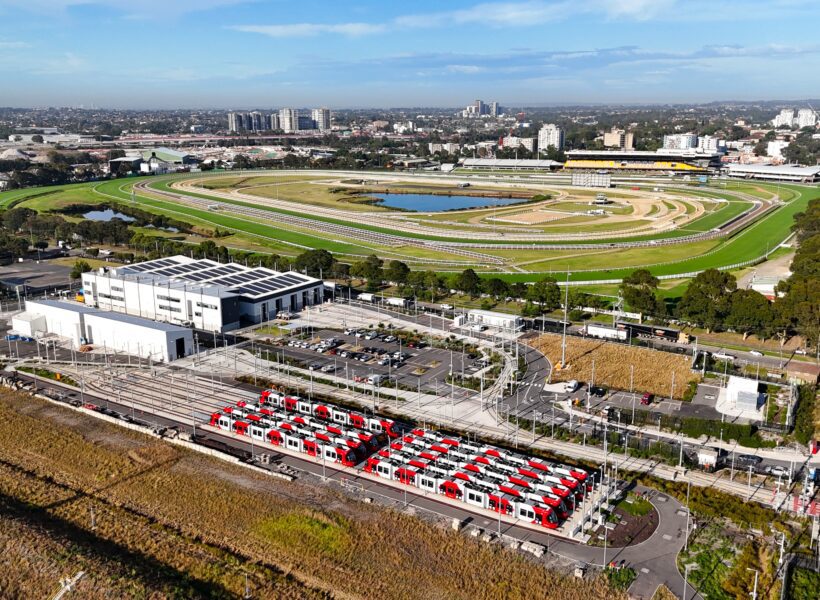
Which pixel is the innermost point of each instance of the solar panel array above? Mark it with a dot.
(254, 282)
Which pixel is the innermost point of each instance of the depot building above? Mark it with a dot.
(86, 326)
(200, 293)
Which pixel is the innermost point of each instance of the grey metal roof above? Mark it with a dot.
(61, 304)
(132, 320)
(776, 169)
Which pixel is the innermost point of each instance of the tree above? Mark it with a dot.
(397, 271)
(369, 270)
(316, 263)
(467, 281)
(37, 139)
(749, 312)
(41, 244)
(638, 290)
(79, 268)
(545, 293)
(706, 301)
(497, 288)
(800, 305)
(15, 218)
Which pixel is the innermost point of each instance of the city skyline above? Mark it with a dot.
(109, 53)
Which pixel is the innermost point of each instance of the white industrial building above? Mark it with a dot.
(84, 325)
(200, 293)
(495, 319)
(741, 398)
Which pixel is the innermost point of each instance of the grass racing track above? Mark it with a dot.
(748, 244)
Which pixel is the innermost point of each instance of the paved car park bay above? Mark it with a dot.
(357, 358)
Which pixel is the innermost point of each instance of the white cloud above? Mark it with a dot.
(13, 45)
(313, 29)
(142, 9)
(466, 69)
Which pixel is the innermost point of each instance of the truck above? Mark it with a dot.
(605, 332)
(400, 302)
(375, 379)
(366, 298)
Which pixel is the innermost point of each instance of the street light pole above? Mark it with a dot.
(564, 339)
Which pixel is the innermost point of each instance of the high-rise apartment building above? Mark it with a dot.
(273, 121)
(288, 120)
(619, 138)
(321, 118)
(784, 119)
(258, 122)
(806, 117)
(495, 109)
(236, 121)
(680, 141)
(550, 135)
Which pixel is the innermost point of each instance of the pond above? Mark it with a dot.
(107, 215)
(435, 203)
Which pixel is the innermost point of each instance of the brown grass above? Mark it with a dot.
(172, 522)
(653, 369)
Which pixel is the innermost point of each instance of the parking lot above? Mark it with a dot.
(376, 358)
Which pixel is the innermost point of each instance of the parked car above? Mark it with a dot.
(748, 460)
(328, 369)
(777, 471)
(598, 391)
(646, 399)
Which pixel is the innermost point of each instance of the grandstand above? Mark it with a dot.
(794, 173)
(674, 161)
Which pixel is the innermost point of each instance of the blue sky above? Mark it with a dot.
(363, 53)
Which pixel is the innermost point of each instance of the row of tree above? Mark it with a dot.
(712, 299)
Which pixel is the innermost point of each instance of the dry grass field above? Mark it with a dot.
(652, 369)
(173, 523)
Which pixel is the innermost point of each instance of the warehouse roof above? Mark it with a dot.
(62, 304)
(251, 282)
(139, 321)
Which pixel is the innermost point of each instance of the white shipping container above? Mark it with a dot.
(604, 332)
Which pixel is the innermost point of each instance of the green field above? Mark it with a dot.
(586, 264)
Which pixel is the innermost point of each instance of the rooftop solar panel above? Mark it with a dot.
(196, 276)
(251, 289)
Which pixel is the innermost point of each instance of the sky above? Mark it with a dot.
(245, 54)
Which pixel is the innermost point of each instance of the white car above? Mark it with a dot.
(755, 353)
(723, 356)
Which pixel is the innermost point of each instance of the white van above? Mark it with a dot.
(571, 386)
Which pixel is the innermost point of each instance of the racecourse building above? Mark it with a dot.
(663, 161)
(200, 293)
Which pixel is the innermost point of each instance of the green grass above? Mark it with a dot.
(639, 506)
(803, 584)
(316, 531)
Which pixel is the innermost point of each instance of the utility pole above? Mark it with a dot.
(564, 339)
(754, 591)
